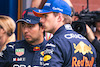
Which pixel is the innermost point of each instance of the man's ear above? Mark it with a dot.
(60, 17)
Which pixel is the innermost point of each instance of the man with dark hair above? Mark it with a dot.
(28, 52)
(66, 48)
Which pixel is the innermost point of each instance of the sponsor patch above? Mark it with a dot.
(28, 20)
(19, 52)
(68, 27)
(47, 4)
(12, 46)
(71, 35)
(55, 8)
(52, 45)
(47, 57)
(42, 53)
(48, 51)
(82, 48)
(82, 63)
(41, 60)
(19, 59)
(36, 66)
(1, 54)
(46, 64)
(36, 48)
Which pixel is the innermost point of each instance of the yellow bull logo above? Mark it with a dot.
(82, 48)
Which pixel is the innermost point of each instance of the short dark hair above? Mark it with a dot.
(40, 24)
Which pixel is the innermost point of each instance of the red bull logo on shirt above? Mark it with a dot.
(36, 49)
(83, 63)
(82, 48)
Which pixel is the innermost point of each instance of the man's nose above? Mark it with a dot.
(25, 29)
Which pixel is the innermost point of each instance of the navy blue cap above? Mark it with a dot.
(29, 17)
(58, 6)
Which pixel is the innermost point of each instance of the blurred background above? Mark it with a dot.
(14, 9)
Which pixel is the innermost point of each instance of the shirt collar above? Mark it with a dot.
(36, 47)
(64, 27)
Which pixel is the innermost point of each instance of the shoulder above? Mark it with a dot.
(59, 41)
(15, 44)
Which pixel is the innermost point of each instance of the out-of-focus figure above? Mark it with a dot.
(7, 29)
(94, 38)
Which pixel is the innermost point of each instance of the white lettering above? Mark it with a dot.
(35, 66)
(46, 64)
(1, 54)
(51, 45)
(16, 65)
(47, 4)
(18, 59)
(57, 9)
(41, 58)
(28, 20)
(12, 46)
(29, 65)
(69, 36)
(50, 51)
(22, 65)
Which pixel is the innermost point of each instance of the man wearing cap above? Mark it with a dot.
(66, 48)
(28, 52)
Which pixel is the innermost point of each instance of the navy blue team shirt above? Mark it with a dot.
(22, 54)
(67, 48)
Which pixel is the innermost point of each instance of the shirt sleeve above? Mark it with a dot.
(4, 58)
(55, 55)
(96, 44)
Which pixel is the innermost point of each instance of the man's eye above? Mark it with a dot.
(30, 26)
(44, 15)
(23, 25)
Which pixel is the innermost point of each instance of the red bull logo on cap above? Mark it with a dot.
(82, 48)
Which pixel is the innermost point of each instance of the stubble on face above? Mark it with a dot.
(34, 39)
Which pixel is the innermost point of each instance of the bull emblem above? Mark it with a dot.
(82, 48)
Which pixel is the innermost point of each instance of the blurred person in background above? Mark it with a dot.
(97, 32)
(94, 38)
(7, 29)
